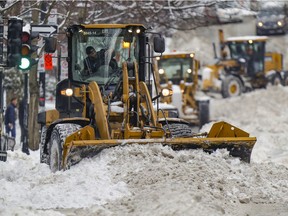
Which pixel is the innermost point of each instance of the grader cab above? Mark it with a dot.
(115, 106)
(244, 65)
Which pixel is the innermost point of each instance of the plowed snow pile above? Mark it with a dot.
(155, 180)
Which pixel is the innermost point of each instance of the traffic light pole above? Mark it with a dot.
(59, 64)
(24, 129)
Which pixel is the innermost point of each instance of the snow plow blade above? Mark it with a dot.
(222, 135)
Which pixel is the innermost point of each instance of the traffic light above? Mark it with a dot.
(3, 3)
(14, 42)
(28, 50)
(48, 63)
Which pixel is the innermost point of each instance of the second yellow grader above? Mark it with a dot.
(243, 67)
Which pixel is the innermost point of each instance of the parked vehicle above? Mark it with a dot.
(228, 12)
(223, 12)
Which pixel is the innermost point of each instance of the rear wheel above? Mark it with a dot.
(179, 130)
(277, 80)
(231, 86)
(285, 81)
(58, 136)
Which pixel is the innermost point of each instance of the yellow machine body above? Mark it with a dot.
(92, 116)
(243, 65)
(179, 71)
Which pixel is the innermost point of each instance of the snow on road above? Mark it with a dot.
(155, 180)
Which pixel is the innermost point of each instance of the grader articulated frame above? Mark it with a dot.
(113, 107)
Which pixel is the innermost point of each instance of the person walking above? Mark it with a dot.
(10, 118)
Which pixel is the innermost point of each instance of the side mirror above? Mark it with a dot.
(159, 44)
(50, 44)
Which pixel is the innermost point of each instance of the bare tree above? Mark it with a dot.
(165, 16)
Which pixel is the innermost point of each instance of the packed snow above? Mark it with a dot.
(155, 180)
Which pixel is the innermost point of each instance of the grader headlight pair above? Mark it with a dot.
(134, 30)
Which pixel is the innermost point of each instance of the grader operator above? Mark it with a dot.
(113, 107)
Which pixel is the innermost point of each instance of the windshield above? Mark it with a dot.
(98, 54)
(241, 50)
(271, 11)
(175, 69)
(252, 53)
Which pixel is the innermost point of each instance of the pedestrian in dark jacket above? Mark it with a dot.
(10, 118)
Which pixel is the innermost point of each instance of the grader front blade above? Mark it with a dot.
(221, 136)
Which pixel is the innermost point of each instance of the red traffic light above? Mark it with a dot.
(25, 37)
(48, 63)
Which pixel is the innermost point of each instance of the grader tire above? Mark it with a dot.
(179, 130)
(277, 80)
(285, 80)
(58, 136)
(231, 87)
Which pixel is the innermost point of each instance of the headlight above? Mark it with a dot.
(67, 92)
(161, 71)
(166, 92)
(280, 23)
(260, 24)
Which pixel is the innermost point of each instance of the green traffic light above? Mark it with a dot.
(25, 63)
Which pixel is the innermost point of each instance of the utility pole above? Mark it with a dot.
(33, 126)
(24, 127)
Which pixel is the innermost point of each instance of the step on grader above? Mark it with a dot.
(113, 106)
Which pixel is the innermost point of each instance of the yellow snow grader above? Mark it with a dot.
(113, 106)
(245, 66)
(179, 71)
